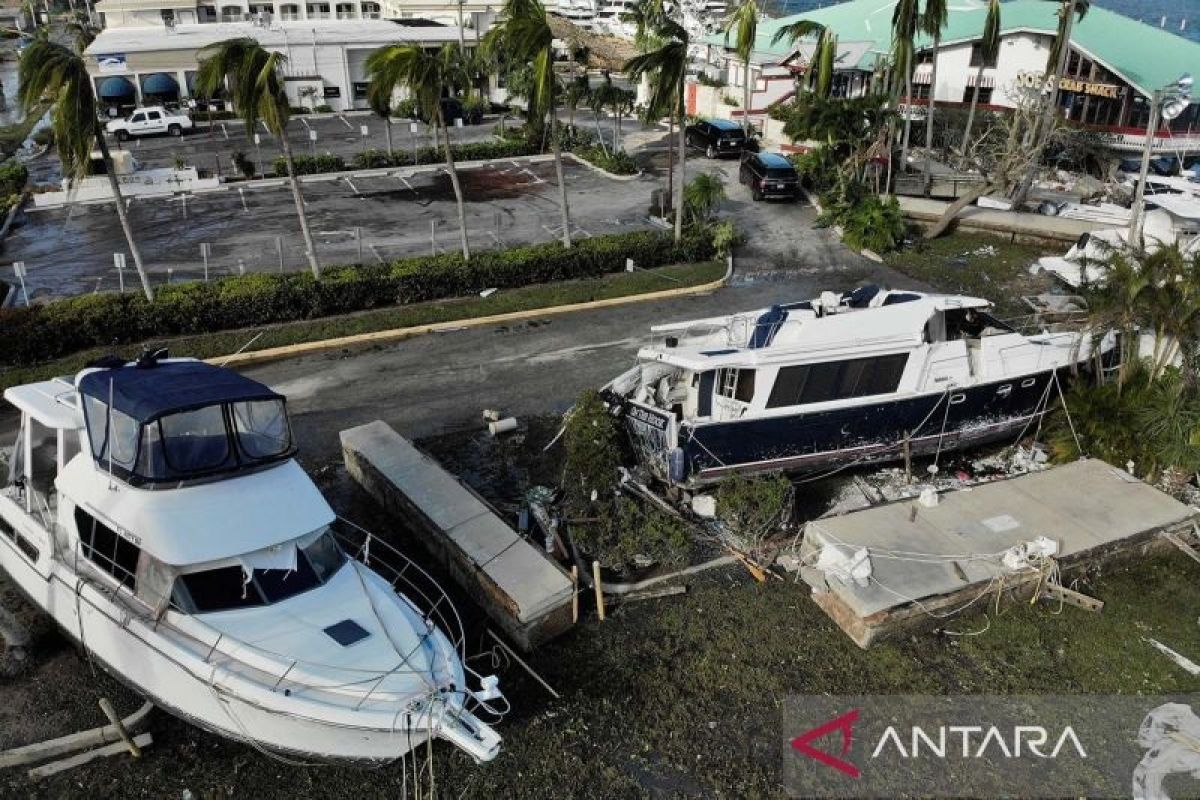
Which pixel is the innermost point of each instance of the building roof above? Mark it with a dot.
(146, 393)
(373, 32)
(1145, 56)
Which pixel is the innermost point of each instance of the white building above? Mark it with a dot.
(325, 59)
(153, 13)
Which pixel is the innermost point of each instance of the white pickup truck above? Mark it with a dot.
(145, 121)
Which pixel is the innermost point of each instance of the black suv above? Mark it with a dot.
(716, 137)
(769, 175)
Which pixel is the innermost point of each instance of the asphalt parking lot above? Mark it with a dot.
(405, 213)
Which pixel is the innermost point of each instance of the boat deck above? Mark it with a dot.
(927, 560)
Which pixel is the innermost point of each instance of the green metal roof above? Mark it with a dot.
(1146, 56)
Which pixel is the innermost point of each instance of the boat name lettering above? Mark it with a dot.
(648, 417)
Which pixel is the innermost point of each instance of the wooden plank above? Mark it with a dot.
(116, 748)
(33, 753)
(1186, 548)
(1071, 597)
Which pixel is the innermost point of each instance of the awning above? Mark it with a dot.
(922, 78)
(982, 81)
(116, 89)
(160, 83)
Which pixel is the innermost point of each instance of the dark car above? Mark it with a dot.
(769, 175)
(716, 137)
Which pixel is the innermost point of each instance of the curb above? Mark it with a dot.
(398, 334)
(610, 175)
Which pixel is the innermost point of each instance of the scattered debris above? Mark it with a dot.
(513, 655)
(491, 415)
(55, 767)
(704, 505)
(488, 292)
(105, 735)
(502, 426)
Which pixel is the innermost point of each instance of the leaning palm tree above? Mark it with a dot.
(743, 25)
(825, 58)
(50, 72)
(525, 30)
(254, 79)
(426, 75)
(989, 48)
(800, 29)
(933, 22)
(905, 19)
(667, 68)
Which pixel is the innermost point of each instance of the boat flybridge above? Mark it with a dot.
(156, 512)
(841, 380)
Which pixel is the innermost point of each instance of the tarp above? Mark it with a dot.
(146, 393)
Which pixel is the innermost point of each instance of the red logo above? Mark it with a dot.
(843, 724)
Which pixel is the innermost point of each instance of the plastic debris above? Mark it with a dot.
(846, 567)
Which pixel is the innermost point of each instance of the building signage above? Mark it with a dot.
(1038, 80)
(332, 92)
(111, 62)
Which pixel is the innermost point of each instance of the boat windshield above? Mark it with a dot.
(188, 444)
(235, 586)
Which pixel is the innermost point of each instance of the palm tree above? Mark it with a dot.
(933, 21)
(825, 57)
(525, 32)
(253, 77)
(667, 68)
(1056, 66)
(795, 31)
(703, 195)
(905, 18)
(989, 48)
(426, 75)
(380, 103)
(743, 24)
(51, 72)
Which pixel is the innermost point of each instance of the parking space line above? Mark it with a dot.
(304, 122)
(357, 193)
(375, 252)
(242, 194)
(345, 122)
(224, 130)
(267, 130)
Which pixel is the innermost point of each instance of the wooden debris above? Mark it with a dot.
(55, 767)
(599, 589)
(33, 753)
(111, 713)
(1183, 546)
(1053, 591)
(653, 594)
(526, 667)
(1189, 666)
(574, 593)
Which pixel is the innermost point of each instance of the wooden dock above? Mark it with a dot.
(525, 592)
(927, 561)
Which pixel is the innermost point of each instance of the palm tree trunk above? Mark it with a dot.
(937, 41)
(309, 247)
(966, 142)
(387, 129)
(599, 132)
(115, 186)
(682, 167)
(746, 99)
(671, 160)
(558, 172)
(458, 195)
(907, 120)
(1045, 127)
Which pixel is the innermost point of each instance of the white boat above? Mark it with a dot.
(838, 381)
(156, 511)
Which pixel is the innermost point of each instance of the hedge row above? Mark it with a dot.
(378, 159)
(31, 335)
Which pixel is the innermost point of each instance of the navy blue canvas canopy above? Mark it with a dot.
(147, 393)
(116, 89)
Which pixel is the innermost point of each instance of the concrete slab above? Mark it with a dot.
(524, 592)
(925, 558)
(1018, 225)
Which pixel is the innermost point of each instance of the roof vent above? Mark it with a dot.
(347, 632)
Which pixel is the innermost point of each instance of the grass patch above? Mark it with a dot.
(506, 301)
(977, 265)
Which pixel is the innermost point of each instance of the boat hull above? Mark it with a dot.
(860, 434)
(205, 692)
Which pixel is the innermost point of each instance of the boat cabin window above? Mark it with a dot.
(105, 548)
(736, 384)
(188, 444)
(228, 588)
(837, 380)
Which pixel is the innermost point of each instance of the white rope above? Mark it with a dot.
(1067, 412)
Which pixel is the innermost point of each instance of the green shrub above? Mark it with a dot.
(300, 110)
(243, 164)
(867, 221)
(44, 137)
(373, 159)
(13, 177)
(311, 165)
(753, 510)
(405, 109)
(324, 108)
(617, 162)
(31, 335)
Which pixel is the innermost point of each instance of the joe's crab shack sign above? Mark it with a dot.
(1038, 80)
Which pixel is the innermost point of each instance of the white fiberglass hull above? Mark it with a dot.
(210, 690)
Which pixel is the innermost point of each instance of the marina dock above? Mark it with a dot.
(904, 565)
(526, 593)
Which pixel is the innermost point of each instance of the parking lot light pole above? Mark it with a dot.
(1166, 104)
